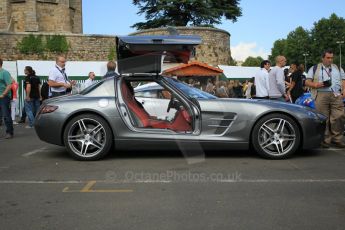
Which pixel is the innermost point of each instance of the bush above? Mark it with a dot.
(57, 43)
(111, 55)
(31, 45)
(35, 45)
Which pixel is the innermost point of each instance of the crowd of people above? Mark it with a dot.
(230, 89)
(58, 84)
(325, 81)
(275, 83)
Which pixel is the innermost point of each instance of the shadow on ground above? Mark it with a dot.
(61, 153)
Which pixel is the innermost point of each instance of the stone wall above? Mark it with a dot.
(77, 16)
(63, 16)
(214, 50)
(4, 14)
(82, 47)
(215, 47)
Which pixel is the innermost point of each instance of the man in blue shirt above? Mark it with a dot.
(5, 100)
(327, 85)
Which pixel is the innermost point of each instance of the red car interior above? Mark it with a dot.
(181, 122)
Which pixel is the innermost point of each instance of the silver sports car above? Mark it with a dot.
(164, 113)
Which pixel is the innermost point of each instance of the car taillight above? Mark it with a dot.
(48, 109)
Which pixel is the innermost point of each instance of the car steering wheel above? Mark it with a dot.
(172, 103)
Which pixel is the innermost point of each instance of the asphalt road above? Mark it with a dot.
(41, 187)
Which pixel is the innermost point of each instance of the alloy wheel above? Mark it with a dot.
(276, 136)
(86, 137)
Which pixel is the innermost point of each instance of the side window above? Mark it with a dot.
(164, 94)
(147, 94)
(150, 96)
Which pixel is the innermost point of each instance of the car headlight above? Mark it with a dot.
(316, 115)
(312, 114)
(321, 116)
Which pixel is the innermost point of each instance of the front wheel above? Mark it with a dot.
(88, 137)
(276, 136)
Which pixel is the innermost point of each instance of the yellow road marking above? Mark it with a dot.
(90, 184)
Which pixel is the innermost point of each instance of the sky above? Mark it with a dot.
(261, 23)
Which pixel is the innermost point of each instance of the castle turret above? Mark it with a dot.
(59, 16)
(5, 14)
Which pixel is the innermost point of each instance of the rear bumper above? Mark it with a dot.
(49, 128)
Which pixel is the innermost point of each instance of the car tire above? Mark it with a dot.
(88, 137)
(276, 136)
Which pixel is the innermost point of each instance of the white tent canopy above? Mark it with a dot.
(73, 68)
(11, 67)
(239, 72)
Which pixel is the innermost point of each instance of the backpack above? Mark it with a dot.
(45, 91)
(315, 68)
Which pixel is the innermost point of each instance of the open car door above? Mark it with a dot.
(145, 54)
(140, 59)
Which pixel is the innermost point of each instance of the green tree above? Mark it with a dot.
(162, 13)
(279, 48)
(297, 44)
(252, 61)
(325, 34)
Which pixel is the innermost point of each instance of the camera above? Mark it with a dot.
(327, 83)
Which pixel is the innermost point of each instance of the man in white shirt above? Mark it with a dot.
(90, 80)
(58, 81)
(277, 80)
(261, 80)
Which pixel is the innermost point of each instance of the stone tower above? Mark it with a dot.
(59, 16)
(215, 46)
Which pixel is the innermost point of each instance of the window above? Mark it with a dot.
(147, 94)
(48, 1)
(190, 91)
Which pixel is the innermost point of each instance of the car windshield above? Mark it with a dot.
(190, 91)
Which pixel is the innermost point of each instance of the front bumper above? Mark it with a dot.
(313, 133)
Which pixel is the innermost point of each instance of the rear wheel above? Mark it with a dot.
(88, 137)
(276, 136)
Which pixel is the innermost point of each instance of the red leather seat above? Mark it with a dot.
(179, 123)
